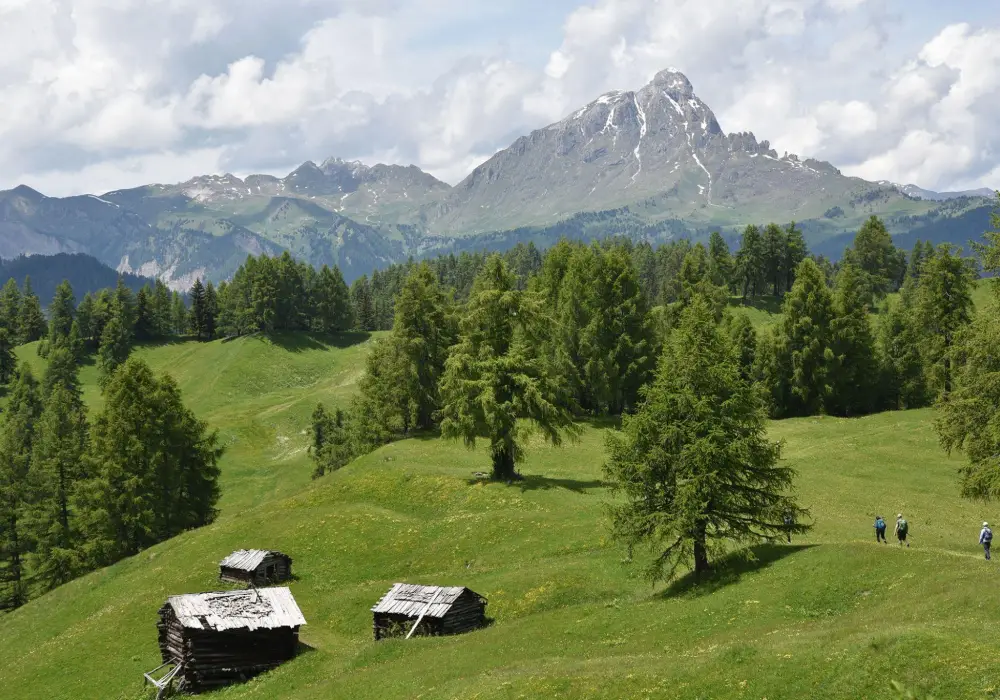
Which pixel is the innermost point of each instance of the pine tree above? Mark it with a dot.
(795, 252)
(944, 307)
(145, 321)
(199, 312)
(803, 344)
(62, 311)
(775, 250)
(855, 380)
(10, 309)
(750, 262)
(17, 425)
(693, 466)
(154, 466)
(495, 384)
(211, 312)
(364, 305)
(116, 345)
(721, 260)
(57, 469)
(32, 321)
(8, 362)
(331, 448)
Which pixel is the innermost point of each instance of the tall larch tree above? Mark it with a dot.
(145, 320)
(10, 309)
(795, 252)
(875, 255)
(775, 250)
(750, 262)
(496, 386)
(62, 311)
(364, 304)
(721, 260)
(32, 320)
(855, 378)
(8, 361)
(693, 467)
(899, 343)
(199, 311)
(17, 428)
(334, 312)
(116, 345)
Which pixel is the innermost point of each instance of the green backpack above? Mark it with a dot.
(903, 527)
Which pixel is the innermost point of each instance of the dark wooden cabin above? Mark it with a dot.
(260, 567)
(222, 638)
(432, 610)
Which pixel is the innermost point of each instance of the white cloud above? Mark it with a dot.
(98, 94)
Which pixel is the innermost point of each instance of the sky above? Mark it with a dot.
(97, 95)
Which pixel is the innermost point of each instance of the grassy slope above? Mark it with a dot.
(835, 616)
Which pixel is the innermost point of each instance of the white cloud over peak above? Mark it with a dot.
(102, 94)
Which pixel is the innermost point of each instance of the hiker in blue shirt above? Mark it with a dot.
(985, 538)
(880, 529)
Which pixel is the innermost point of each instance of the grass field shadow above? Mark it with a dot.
(300, 342)
(767, 304)
(731, 569)
(534, 482)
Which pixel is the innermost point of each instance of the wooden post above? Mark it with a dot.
(419, 619)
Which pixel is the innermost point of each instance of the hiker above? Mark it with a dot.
(880, 529)
(985, 538)
(789, 522)
(902, 529)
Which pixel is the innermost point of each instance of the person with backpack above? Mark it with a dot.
(880, 529)
(985, 538)
(902, 530)
(789, 524)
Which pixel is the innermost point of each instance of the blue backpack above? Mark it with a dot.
(880, 524)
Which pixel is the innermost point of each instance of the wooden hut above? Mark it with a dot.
(221, 638)
(260, 567)
(428, 610)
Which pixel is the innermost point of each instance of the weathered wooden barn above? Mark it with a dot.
(260, 567)
(221, 638)
(427, 610)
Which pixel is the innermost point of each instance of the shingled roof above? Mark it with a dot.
(411, 600)
(246, 559)
(265, 608)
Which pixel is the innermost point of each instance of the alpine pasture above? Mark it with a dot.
(833, 615)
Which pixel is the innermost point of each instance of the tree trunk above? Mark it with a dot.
(701, 565)
(503, 462)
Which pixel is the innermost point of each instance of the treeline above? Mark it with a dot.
(84, 272)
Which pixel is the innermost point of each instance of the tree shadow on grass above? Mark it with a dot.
(543, 483)
(731, 569)
(300, 342)
(768, 304)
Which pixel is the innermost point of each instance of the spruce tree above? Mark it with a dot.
(10, 309)
(62, 311)
(899, 352)
(57, 470)
(154, 466)
(8, 362)
(85, 317)
(795, 252)
(145, 321)
(102, 313)
(803, 344)
(32, 320)
(944, 307)
(750, 262)
(162, 310)
(116, 345)
(62, 372)
(331, 444)
(693, 467)
(364, 304)
(876, 256)
(199, 312)
(855, 380)
(496, 385)
(775, 247)
(696, 280)
(334, 312)
(743, 336)
(17, 426)
(721, 261)
(124, 300)
(211, 312)
(178, 316)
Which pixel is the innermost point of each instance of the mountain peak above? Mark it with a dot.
(674, 81)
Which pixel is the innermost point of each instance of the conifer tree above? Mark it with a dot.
(875, 255)
(32, 321)
(116, 345)
(17, 426)
(364, 305)
(145, 322)
(10, 309)
(495, 385)
(334, 312)
(162, 310)
(124, 300)
(102, 312)
(855, 376)
(695, 279)
(803, 344)
(62, 372)
(775, 246)
(154, 466)
(8, 362)
(386, 404)
(750, 262)
(57, 469)
(795, 252)
(721, 261)
(944, 307)
(62, 311)
(85, 317)
(331, 445)
(743, 336)
(211, 311)
(178, 316)
(199, 311)
(899, 352)
(693, 466)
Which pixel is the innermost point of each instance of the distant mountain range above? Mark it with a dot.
(651, 164)
(84, 273)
